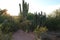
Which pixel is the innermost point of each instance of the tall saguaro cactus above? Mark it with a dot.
(25, 8)
(20, 7)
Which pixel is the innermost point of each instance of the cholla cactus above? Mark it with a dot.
(38, 31)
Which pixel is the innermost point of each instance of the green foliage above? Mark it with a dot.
(4, 36)
(30, 16)
(53, 22)
(25, 25)
(9, 27)
(7, 23)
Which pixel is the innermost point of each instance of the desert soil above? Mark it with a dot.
(21, 35)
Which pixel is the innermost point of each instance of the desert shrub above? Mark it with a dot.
(4, 36)
(40, 30)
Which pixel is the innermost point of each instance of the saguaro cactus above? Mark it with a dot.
(25, 8)
(20, 8)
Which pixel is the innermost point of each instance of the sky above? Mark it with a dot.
(34, 6)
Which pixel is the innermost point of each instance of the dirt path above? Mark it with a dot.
(21, 35)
